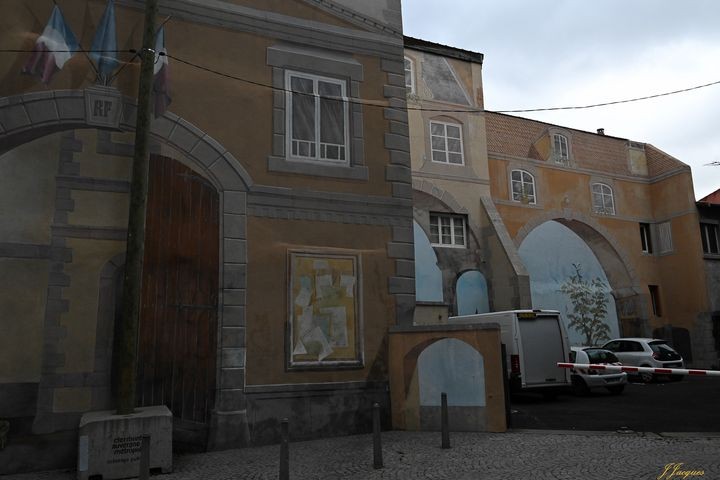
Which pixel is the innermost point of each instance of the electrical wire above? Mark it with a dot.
(384, 104)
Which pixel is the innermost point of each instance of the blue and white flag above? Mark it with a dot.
(161, 84)
(104, 45)
(53, 48)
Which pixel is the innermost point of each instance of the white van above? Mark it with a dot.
(535, 341)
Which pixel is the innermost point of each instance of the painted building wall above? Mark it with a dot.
(65, 204)
(443, 78)
(648, 186)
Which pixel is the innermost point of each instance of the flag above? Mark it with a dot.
(160, 72)
(104, 45)
(53, 48)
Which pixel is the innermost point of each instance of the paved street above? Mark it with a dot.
(686, 406)
(517, 455)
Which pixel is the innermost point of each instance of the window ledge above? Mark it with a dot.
(439, 245)
(352, 172)
(711, 256)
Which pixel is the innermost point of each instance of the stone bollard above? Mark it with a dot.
(145, 458)
(284, 450)
(377, 446)
(444, 421)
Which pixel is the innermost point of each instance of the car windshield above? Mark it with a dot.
(601, 356)
(661, 347)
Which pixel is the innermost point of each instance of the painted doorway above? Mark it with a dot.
(550, 253)
(178, 317)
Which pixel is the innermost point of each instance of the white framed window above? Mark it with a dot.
(710, 238)
(446, 142)
(522, 184)
(317, 118)
(561, 150)
(410, 75)
(447, 230)
(602, 199)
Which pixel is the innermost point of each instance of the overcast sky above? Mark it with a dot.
(548, 53)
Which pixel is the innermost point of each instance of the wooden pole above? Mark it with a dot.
(127, 344)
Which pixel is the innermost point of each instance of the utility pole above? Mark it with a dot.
(127, 343)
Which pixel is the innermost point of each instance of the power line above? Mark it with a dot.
(384, 104)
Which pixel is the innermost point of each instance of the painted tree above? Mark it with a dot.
(589, 300)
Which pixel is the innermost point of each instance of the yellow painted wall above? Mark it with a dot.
(89, 257)
(267, 315)
(27, 191)
(23, 291)
(220, 107)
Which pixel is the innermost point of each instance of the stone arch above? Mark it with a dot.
(27, 117)
(626, 291)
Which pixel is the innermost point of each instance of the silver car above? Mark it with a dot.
(584, 379)
(646, 352)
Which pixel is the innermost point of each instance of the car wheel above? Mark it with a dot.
(579, 387)
(646, 377)
(616, 389)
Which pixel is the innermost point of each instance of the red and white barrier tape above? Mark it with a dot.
(624, 368)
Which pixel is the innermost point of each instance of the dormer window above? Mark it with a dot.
(409, 75)
(561, 151)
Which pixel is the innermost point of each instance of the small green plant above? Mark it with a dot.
(589, 300)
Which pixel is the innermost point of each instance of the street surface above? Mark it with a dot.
(526, 455)
(690, 405)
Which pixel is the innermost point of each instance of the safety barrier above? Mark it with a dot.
(624, 368)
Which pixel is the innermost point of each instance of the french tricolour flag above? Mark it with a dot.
(161, 85)
(52, 49)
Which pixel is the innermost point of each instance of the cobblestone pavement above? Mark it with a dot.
(517, 455)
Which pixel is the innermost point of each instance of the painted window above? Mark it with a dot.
(645, 239)
(664, 237)
(655, 300)
(710, 238)
(446, 142)
(523, 187)
(602, 199)
(561, 152)
(447, 230)
(409, 75)
(317, 118)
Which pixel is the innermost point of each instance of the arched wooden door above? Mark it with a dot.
(178, 317)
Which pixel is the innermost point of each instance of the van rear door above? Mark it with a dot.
(542, 347)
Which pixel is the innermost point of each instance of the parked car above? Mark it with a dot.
(585, 379)
(646, 352)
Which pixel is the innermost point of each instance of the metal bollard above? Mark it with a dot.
(145, 458)
(377, 446)
(284, 450)
(444, 421)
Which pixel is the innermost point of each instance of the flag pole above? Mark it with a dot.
(127, 344)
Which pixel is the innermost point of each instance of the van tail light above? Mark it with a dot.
(515, 364)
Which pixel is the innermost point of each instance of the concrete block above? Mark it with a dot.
(234, 297)
(233, 357)
(401, 250)
(233, 316)
(234, 226)
(233, 337)
(234, 202)
(397, 142)
(232, 378)
(110, 445)
(399, 158)
(234, 251)
(401, 285)
(234, 276)
(398, 173)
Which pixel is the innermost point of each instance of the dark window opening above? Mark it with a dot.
(655, 299)
(645, 238)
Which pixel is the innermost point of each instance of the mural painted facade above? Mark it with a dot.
(709, 211)
(632, 206)
(267, 193)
